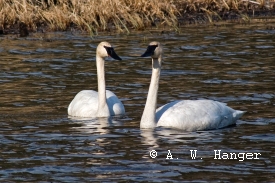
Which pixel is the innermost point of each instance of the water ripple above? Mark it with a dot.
(39, 78)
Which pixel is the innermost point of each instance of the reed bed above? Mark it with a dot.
(120, 15)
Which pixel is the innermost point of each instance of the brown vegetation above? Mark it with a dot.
(122, 15)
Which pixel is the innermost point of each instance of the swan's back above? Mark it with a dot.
(85, 104)
(193, 115)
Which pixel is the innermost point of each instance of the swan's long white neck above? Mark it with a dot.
(102, 110)
(148, 119)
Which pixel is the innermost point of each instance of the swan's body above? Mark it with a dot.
(85, 104)
(188, 115)
(104, 103)
(192, 115)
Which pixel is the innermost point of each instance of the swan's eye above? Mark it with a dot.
(108, 49)
(111, 52)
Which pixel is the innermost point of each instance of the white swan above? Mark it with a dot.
(188, 115)
(104, 103)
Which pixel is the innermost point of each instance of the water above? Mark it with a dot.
(41, 74)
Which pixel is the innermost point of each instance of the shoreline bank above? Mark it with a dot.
(24, 16)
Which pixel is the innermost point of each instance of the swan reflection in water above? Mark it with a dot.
(159, 139)
(94, 125)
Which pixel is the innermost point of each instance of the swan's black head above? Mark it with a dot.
(111, 52)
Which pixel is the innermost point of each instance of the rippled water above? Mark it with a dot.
(41, 74)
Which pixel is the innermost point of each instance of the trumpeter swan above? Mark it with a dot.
(187, 115)
(104, 103)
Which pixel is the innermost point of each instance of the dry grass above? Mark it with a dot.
(222, 5)
(88, 15)
(122, 15)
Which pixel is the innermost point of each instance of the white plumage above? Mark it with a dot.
(187, 115)
(192, 115)
(85, 104)
(104, 103)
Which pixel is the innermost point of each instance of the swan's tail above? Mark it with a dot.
(237, 114)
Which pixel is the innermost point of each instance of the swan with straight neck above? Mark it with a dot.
(187, 115)
(104, 103)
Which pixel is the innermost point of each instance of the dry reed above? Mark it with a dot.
(122, 15)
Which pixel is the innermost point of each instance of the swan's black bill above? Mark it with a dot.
(150, 51)
(111, 52)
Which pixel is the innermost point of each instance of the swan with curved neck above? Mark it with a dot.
(104, 103)
(187, 115)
